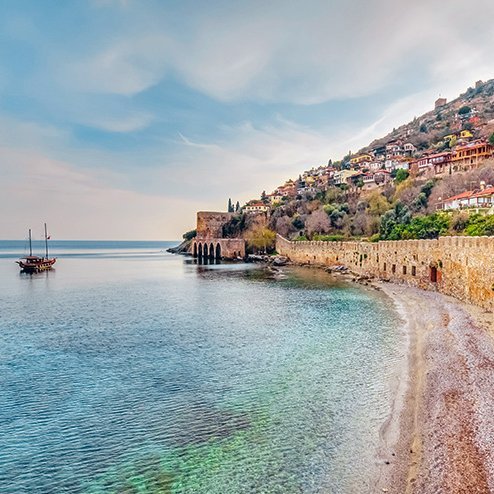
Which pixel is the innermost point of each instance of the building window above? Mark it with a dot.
(414, 270)
(384, 267)
(393, 268)
(404, 270)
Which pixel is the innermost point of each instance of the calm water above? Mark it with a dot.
(130, 370)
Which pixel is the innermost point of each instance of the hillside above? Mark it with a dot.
(401, 186)
(430, 128)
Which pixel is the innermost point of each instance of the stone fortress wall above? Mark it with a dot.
(209, 242)
(459, 266)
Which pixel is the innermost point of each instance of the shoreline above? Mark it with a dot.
(438, 438)
(439, 435)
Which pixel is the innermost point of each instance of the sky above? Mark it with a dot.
(120, 119)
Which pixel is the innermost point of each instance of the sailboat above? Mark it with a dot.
(35, 264)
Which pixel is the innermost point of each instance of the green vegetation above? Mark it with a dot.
(478, 225)
(400, 226)
(401, 175)
(464, 110)
(491, 139)
(406, 208)
(261, 239)
(189, 235)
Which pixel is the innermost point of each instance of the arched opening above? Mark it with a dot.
(211, 251)
(205, 251)
(218, 251)
(199, 250)
(195, 249)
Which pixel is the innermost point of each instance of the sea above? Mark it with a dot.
(127, 369)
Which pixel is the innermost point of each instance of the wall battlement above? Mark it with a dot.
(459, 266)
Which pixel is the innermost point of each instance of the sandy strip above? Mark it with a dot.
(440, 438)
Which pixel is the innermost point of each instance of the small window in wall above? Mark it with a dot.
(384, 267)
(433, 274)
(404, 270)
(414, 270)
(393, 268)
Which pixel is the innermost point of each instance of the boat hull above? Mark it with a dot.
(36, 266)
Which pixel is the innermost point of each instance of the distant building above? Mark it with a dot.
(432, 164)
(483, 198)
(256, 207)
(471, 155)
(440, 102)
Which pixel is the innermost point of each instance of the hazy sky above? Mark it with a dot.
(119, 119)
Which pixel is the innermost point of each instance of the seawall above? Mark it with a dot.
(462, 267)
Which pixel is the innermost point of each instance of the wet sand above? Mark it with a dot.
(440, 437)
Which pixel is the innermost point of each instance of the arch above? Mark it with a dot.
(199, 250)
(211, 251)
(195, 249)
(205, 251)
(218, 251)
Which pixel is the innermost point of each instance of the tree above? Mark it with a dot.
(401, 175)
(230, 206)
(392, 220)
(261, 239)
(317, 222)
(453, 141)
(464, 110)
(237, 207)
(263, 196)
(491, 139)
(189, 235)
(423, 128)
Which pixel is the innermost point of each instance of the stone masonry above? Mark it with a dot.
(459, 266)
(210, 243)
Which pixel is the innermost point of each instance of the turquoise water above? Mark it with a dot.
(130, 370)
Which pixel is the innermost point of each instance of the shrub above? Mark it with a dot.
(480, 225)
(401, 175)
(189, 235)
(464, 110)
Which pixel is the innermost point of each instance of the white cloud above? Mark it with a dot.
(125, 68)
(280, 52)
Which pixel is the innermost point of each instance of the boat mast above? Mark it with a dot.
(46, 243)
(30, 244)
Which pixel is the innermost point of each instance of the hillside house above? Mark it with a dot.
(476, 199)
(458, 201)
(345, 176)
(256, 207)
(432, 164)
(471, 155)
(361, 159)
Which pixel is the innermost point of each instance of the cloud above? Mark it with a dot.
(125, 68)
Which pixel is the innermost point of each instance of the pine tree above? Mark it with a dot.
(230, 206)
(237, 207)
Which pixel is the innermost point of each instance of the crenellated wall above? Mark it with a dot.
(459, 266)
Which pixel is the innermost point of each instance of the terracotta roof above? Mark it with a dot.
(489, 191)
(463, 195)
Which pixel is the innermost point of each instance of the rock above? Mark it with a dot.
(280, 261)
